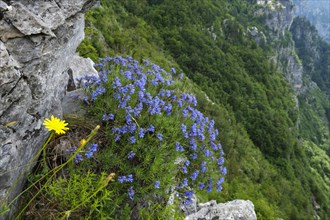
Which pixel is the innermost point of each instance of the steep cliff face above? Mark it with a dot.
(279, 16)
(37, 42)
(313, 51)
(318, 13)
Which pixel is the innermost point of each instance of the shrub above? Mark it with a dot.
(155, 140)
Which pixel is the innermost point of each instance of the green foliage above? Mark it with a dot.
(314, 124)
(139, 97)
(79, 196)
(254, 106)
(313, 51)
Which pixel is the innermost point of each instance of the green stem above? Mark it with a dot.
(57, 169)
(24, 171)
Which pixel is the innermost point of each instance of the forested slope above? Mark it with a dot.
(253, 105)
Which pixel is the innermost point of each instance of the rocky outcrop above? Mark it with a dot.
(279, 16)
(38, 40)
(233, 210)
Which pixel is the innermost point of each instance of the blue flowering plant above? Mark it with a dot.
(155, 138)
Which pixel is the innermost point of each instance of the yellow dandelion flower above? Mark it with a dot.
(55, 124)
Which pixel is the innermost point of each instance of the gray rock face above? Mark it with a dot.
(318, 13)
(233, 210)
(37, 42)
(279, 16)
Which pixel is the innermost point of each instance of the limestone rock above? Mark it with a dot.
(279, 17)
(3, 6)
(38, 40)
(233, 210)
(79, 67)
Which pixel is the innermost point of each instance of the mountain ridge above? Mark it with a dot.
(244, 81)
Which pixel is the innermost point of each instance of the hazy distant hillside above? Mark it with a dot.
(318, 13)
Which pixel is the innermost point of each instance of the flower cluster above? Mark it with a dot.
(143, 97)
(89, 152)
(126, 179)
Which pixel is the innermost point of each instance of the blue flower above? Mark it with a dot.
(132, 139)
(193, 130)
(185, 182)
(194, 175)
(188, 201)
(220, 181)
(128, 118)
(180, 103)
(117, 137)
(193, 156)
(214, 146)
(221, 161)
(99, 91)
(151, 128)
(127, 179)
(159, 136)
(131, 192)
(193, 146)
(78, 158)
(141, 133)
(154, 82)
(168, 93)
(173, 70)
(122, 179)
(157, 183)
(146, 62)
(204, 168)
(219, 188)
(209, 186)
(208, 153)
(185, 112)
(71, 150)
(161, 93)
(201, 186)
(188, 194)
(91, 150)
(85, 99)
(174, 98)
(116, 83)
(168, 108)
(155, 67)
(187, 163)
(128, 75)
(184, 169)
(201, 137)
(159, 77)
(178, 147)
(130, 155)
(222, 153)
(132, 128)
(183, 128)
(223, 170)
(212, 136)
(106, 117)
